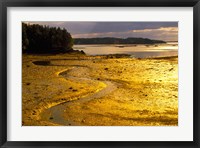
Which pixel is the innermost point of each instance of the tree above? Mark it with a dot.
(25, 41)
(44, 39)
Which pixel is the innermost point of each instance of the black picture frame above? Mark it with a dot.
(4, 4)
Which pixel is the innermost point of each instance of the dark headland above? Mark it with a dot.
(111, 40)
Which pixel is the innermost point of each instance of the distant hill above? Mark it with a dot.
(110, 40)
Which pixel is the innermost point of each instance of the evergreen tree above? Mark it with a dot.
(45, 39)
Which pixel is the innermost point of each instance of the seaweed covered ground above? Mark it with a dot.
(71, 89)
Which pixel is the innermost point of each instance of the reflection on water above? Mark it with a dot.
(138, 51)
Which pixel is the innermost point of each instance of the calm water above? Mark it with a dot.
(138, 51)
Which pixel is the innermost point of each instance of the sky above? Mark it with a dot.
(167, 31)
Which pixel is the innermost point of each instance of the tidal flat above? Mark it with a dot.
(80, 90)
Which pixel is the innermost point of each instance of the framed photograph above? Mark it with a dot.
(99, 73)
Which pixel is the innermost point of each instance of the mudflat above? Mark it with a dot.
(73, 89)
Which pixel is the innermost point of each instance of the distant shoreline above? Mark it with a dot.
(111, 40)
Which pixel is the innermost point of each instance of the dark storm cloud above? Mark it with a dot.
(117, 29)
(97, 27)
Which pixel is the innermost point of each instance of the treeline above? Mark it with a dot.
(110, 40)
(45, 39)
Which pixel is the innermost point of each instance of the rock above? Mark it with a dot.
(82, 52)
(28, 83)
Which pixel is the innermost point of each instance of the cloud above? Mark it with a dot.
(162, 33)
(153, 30)
(98, 27)
(168, 29)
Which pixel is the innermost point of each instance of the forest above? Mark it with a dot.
(44, 39)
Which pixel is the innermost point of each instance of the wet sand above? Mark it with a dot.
(102, 90)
